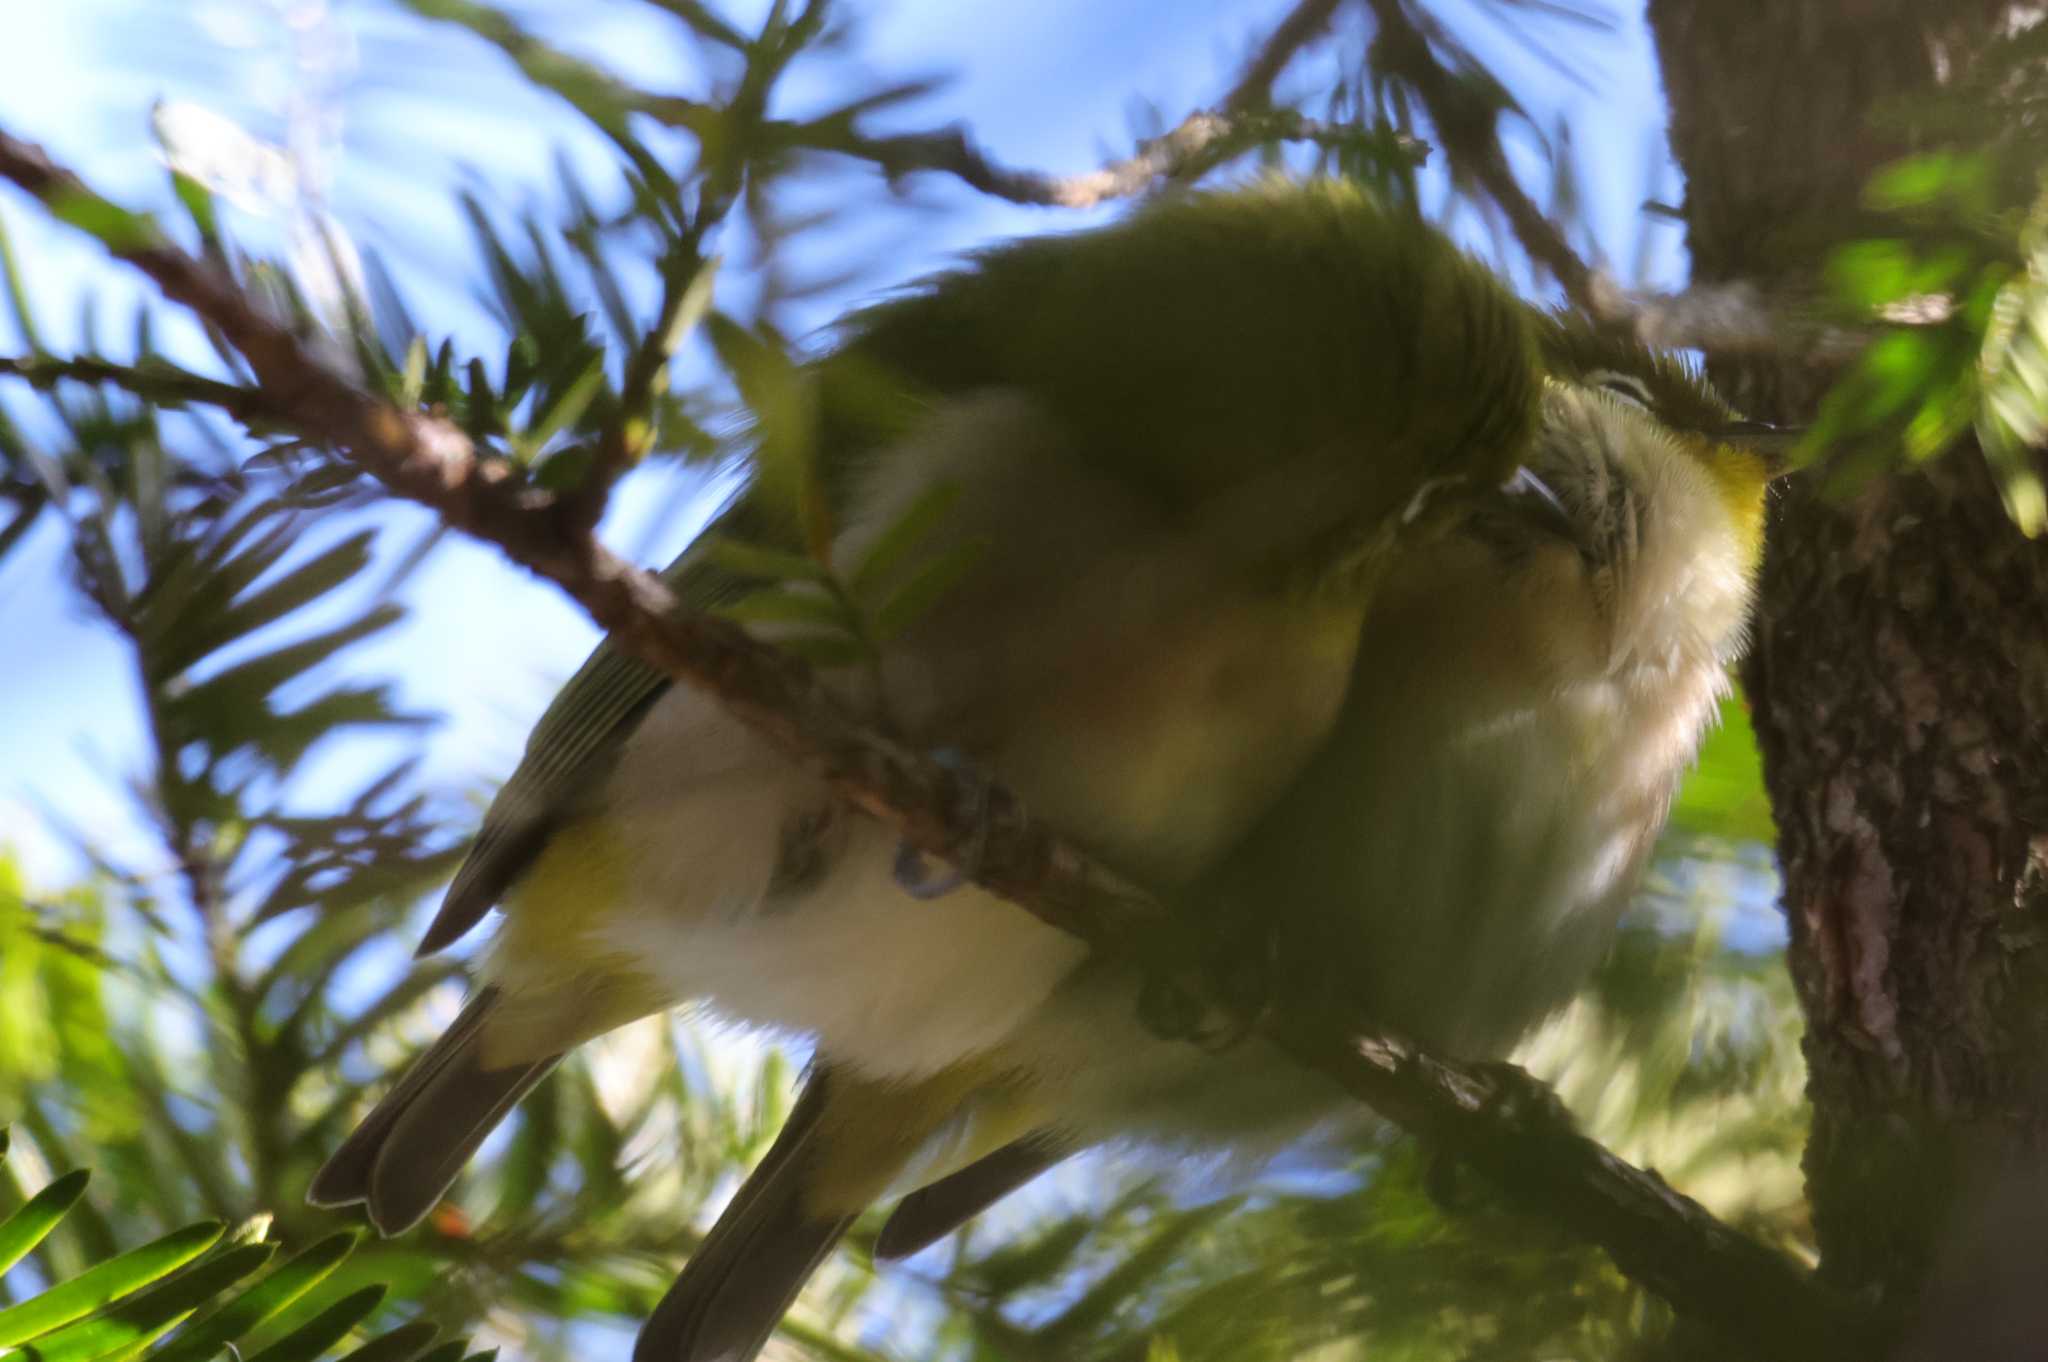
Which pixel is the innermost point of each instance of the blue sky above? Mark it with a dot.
(421, 109)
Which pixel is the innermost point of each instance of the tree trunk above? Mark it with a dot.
(1899, 679)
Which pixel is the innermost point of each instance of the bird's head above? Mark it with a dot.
(1653, 485)
(1642, 406)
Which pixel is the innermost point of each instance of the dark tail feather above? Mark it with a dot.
(407, 1151)
(932, 1212)
(744, 1276)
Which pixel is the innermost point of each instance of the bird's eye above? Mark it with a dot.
(1627, 387)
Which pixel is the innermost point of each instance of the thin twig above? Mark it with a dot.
(163, 385)
(58, 939)
(685, 293)
(1495, 1117)
(1464, 125)
(1204, 139)
(1197, 144)
(1301, 27)
(1722, 320)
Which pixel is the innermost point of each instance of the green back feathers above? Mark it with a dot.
(1207, 336)
(1187, 347)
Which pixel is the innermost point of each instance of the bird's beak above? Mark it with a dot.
(1773, 444)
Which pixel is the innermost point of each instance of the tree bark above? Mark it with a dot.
(1899, 679)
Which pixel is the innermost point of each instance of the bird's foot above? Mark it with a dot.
(1221, 996)
(1244, 961)
(923, 876)
(1444, 1184)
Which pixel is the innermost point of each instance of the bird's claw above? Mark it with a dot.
(1442, 1184)
(1169, 1009)
(1221, 1006)
(1172, 1010)
(1215, 988)
(925, 877)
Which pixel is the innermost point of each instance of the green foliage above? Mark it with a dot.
(834, 618)
(26, 1228)
(261, 1302)
(202, 1034)
(1961, 355)
(1958, 277)
(782, 401)
(1724, 795)
(2012, 421)
(188, 1280)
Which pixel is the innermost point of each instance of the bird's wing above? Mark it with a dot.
(593, 714)
(748, 1269)
(1216, 336)
(578, 736)
(1242, 332)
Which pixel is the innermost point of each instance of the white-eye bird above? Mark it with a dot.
(1326, 586)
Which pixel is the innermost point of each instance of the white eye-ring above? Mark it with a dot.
(1627, 387)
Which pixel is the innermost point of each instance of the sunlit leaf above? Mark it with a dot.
(782, 402)
(209, 1337)
(324, 1330)
(402, 1344)
(567, 408)
(754, 560)
(140, 1318)
(116, 228)
(1724, 796)
(25, 1229)
(104, 1284)
(785, 607)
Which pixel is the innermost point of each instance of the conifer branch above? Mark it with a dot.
(1493, 1117)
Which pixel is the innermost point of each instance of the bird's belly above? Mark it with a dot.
(750, 890)
(886, 983)
(1463, 883)
(1129, 675)
(740, 882)
(1159, 750)
(1490, 870)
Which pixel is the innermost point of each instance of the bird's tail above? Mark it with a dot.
(935, 1210)
(402, 1158)
(744, 1276)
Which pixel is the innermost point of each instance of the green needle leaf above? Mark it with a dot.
(324, 1330)
(567, 408)
(403, 1344)
(118, 229)
(751, 560)
(909, 530)
(205, 1341)
(105, 1284)
(785, 607)
(134, 1322)
(926, 587)
(25, 1229)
